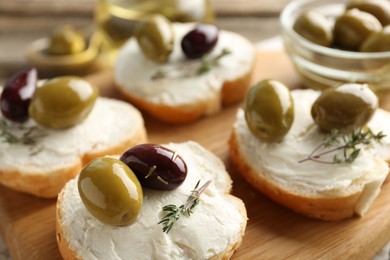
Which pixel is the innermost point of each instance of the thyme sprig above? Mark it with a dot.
(349, 144)
(27, 136)
(206, 63)
(174, 212)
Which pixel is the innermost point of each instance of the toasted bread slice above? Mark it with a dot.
(320, 190)
(182, 98)
(213, 231)
(57, 156)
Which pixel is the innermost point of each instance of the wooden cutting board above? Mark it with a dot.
(273, 232)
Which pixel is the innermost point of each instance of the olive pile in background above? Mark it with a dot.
(58, 103)
(155, 37)
(344, 108)
(362, 27)
(269, 110)
(155, 166)
(110, 191)
(65, 41)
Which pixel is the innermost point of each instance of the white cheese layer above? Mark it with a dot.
(279, 162)
(134, 71)
(109, 124)
(215, 223)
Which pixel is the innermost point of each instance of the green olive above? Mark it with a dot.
(62, 102)
(378, 8)
(269, 110)
(65, 41)
(377, 42)
(116, 29)
(344, 108)
(315, 27)
(110, 191)
(155, 37)
(353, 27)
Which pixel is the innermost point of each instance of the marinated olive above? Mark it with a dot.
(199, 41)
(63, 102)
(377, 42)
(315, 27)
(269, 110)
(378, 8)
(353, 27)
(110, 191)
(344, 108)
(66, 40)
(17, 93)
(156, 166)
(155, 37)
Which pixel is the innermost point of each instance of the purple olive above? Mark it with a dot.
(155, 166)
(17, 94)
(199, 41)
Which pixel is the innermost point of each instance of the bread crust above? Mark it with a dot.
(63, 245)
(231, 92)
(331, 209)
(44, 185)
(230, 249)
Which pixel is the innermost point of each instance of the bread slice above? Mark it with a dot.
(57, 156)
(178, 99)
(213, 231)
(324, 191)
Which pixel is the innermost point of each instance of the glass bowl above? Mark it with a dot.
(322, 67)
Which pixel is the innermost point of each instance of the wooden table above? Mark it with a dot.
(22, 21)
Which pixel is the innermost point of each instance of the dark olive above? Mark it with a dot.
(269, 110)
(315, 27)
(66, 40)
(378, 8)
(344, 108)
(17, 94)
(377, 42)
(63, 102)
(155, 37)
(199, 41)
(353, 27)
(156, 167)
(110, 191)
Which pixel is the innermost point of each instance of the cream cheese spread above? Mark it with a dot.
(215, 223)
(279, 161)
(110, 123)
(133, 71)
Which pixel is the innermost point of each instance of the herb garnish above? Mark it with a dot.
(191, 69)
(27, 137)
(174, 212)
(348, 143)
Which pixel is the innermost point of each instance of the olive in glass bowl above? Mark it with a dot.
(320, 67)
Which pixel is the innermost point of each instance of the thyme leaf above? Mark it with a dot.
(207, 62)
(174, 212)
(350, 145)
(27, 136)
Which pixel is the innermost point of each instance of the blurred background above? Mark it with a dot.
(23, 21)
